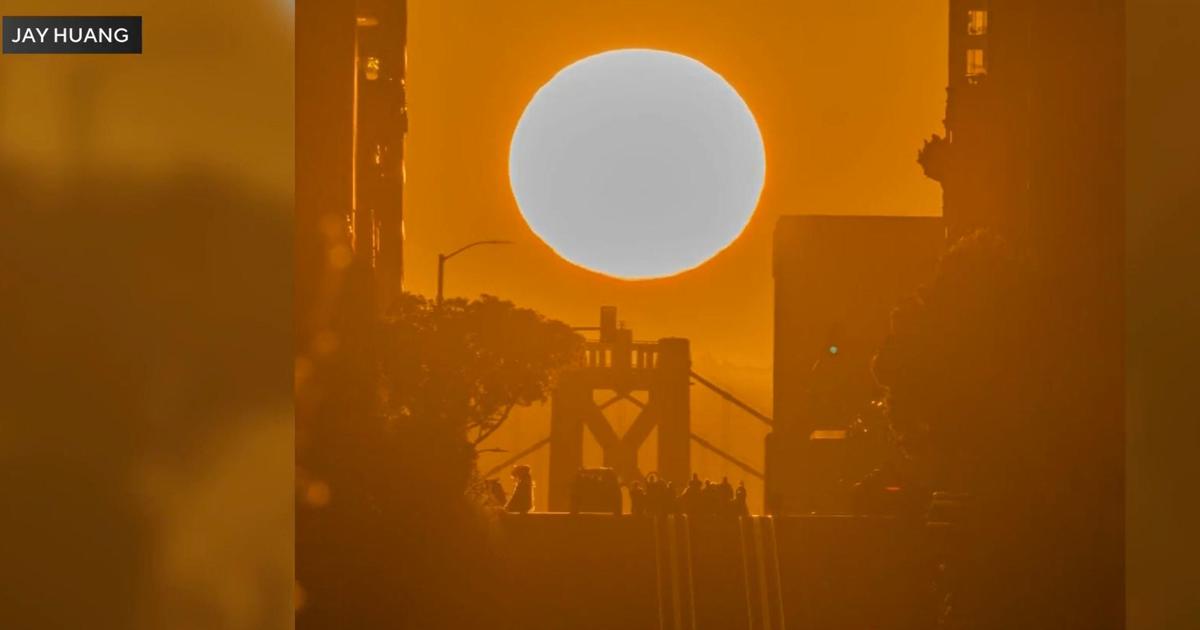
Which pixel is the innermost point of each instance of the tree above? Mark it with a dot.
(961, 365)
(395, 539)
(467, 364)
(983, 390)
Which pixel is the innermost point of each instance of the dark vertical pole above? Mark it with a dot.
(441, 275)
(567, 409)
(670, 395)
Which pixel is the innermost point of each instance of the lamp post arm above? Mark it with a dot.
(442, 258)
(470, 245)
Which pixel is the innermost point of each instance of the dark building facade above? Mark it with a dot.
(1033, 149)
(980, 160)
(350, 126)
(1033, 140)
(837, 279)
(380, 120)
(351, 121)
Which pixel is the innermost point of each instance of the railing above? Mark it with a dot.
(639, 355)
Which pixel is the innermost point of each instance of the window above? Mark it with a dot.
(976, 69)
(977, 22)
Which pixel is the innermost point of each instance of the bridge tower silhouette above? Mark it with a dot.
(615, 364)
(658, 371)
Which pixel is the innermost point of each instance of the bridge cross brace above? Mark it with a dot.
(666, 381)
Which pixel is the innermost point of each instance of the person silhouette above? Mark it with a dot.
(637, 498)
(656, 495)
(691, 501)
(672, 499)
(725, 489)
(521, 501)
(739, 500)
(724, 501)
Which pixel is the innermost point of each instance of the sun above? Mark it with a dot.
(637, 163)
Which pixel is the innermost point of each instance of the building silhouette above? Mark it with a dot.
(1034, 150)
(379, 122)
(837, 279)
(1033, 140)
(352, 118)
(350, 126)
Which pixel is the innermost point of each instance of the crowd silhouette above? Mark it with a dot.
(597, 492)
(658, 497)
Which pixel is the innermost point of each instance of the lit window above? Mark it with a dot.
(977, 22)
(976, 69)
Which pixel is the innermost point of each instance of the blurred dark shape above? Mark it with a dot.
(691, 502)
(1162, 220)
(401, 540)
(949, 507)
(637, 498)
(881, 493)
(145, 335)
(596, 490)
(495, 494)
(967, 367)
(521, 501)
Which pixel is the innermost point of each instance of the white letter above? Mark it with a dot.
(122, 35)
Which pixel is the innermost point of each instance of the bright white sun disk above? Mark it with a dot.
(637, 163)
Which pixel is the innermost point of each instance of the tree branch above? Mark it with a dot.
(484, 433)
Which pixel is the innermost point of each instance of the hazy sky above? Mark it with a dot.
(843, 93)
(637, 163)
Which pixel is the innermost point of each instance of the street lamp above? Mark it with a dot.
(442, 258)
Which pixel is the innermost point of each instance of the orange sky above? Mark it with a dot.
(843, 92)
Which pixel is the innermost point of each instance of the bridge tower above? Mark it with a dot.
(616, 364)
